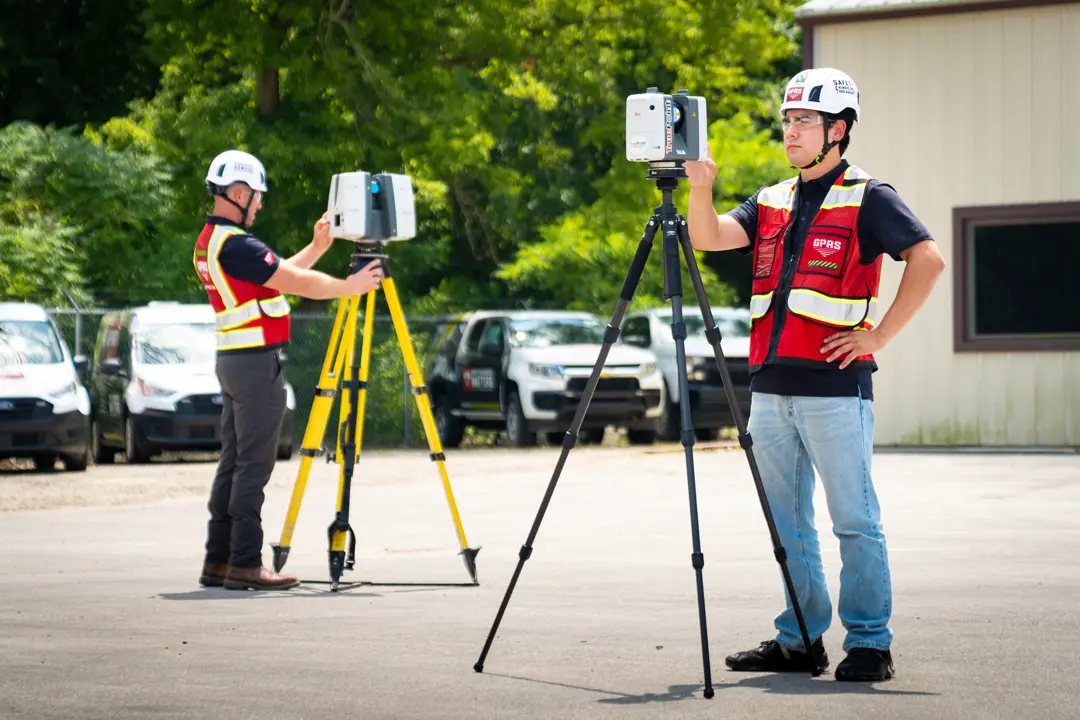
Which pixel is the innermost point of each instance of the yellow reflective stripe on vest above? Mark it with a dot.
(228, 319)
(841, 195)
(217, 240)
(759, 304)
(780, 196)
(237, 339)
(842, 312)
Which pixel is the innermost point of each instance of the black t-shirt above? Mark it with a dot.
(244, 256)
(885, 225)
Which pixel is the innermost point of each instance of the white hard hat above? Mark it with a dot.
(826, 90)
(237, 166)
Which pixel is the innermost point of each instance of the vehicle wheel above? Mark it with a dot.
(517, 429)
(707, 434)
(102, 455)
(670, 421)
(45, 462)
(285, 452)
(641, 437)
(593, 436)
(451, 428)
(77, 463)
(135, 448)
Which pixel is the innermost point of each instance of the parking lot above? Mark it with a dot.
(102, 616)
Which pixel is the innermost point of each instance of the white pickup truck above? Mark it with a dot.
(709, 407)
(525, 372)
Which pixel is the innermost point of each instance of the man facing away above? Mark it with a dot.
(818, 241)
(245, 281)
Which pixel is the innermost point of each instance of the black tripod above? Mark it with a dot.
(676, 234)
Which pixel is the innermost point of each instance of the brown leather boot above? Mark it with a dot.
(257, 578)
(212, 575)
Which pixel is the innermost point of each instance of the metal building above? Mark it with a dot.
(971, 110)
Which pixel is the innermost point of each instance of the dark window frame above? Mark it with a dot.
(964, 219)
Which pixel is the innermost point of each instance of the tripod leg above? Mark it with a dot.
(315, 430)
(423, 404)
(349, 436)
(713, 334)
(633, 276)
(673, 291)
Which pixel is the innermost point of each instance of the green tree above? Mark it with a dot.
(70, 62)
(509, 117)
(102, 215)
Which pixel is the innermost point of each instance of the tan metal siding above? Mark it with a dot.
(969, 109)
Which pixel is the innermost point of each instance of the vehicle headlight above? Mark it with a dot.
(66, 389)
(697, 369)
(546, 371)
(152, 391)
(647, 369)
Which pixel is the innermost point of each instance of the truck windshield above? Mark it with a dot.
(176, 344)
(730, 326)
(28, 342)
(544, 332)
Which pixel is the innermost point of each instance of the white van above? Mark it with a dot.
(44, 408)
(154, 387)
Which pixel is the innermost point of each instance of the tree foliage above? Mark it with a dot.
(103, 216)
(508, 116)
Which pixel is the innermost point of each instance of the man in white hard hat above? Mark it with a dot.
(245, 281)
(818, 241)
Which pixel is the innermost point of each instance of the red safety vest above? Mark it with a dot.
(829, 289)
(249, 315)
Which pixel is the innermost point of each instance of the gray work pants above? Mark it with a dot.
(253, 389)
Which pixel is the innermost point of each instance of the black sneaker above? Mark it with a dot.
(866, 665)
(770, 656)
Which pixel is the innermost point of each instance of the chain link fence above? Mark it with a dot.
(391, 417)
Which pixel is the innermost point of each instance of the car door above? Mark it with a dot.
(116, 379)
(106, 364)
(481, 368)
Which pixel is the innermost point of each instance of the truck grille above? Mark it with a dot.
(621, 384)
(739, 368)
(24, 408)
(198, 405)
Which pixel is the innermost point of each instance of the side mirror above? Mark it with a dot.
(82, 364)
(112, 366)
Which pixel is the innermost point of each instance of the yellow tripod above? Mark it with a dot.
(340, 352)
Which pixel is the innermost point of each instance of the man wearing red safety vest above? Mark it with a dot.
(818, 242)
(245, 282)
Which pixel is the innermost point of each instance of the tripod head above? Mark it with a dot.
(671, 170)
(364, 252)
(667, 174)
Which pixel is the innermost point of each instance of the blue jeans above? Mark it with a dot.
(793, 436)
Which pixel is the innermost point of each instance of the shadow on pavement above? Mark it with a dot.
(312, 589)
(782, 684)
(800, 684)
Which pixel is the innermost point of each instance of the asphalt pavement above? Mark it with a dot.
(101, 615)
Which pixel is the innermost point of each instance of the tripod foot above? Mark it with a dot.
(469, 554)
(281, 555)
(709, 692)
(478, 667)
(337, 565)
